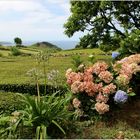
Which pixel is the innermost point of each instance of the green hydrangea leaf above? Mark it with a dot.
(132, 94)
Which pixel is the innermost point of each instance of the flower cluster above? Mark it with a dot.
(106, 76)
(101, 107)
(94, 81)
(122, 79)
(109, 89)
(115, 54)
(120, 96)
(127, 66)
(98, 83)
(76, 103)
(102, 98)
(99, 67)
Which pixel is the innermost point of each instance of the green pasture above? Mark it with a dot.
(81, 51)
(4, 52)
(13, 69)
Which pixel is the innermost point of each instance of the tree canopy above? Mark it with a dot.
(18, 41)
(106, 22)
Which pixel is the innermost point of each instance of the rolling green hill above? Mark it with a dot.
(46, 45)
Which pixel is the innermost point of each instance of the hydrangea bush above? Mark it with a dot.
(92, 86)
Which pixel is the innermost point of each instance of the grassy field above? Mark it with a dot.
(82, 51)
(13, 69)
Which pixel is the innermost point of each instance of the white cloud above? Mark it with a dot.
(65, 4)
(38, 21)
(19, 5)
(57, 1)
(28, 7)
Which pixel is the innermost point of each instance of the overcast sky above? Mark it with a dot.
(34, 20)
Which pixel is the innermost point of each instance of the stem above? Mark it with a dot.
(45, 78)
(37, 84)
(41, 135)
(21, 128)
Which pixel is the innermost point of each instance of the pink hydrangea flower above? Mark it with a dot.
(126, 70)
(106, 76)
(89, 70)
(128, 65)
(87, 77)
(73, 76)
(131, 59)
(98, 67)
(102, 98)
(76, 103)
(101, 107)
(91, 88)
(109, 89)
(122, 80)
(77, 87)
(68, 72)
(99, 86)
(135, 67)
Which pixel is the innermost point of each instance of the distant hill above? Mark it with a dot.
(65, 44)
(46, 45)
(4, 43)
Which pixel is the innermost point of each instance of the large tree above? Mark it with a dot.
(105, 22)
(18, 41)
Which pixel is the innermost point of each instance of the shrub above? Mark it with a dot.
(94, 88)
(40, 114)
(9, 102)
(91, 58)
(76, 60)
(105, 48)
(31, 89)
(15, 51)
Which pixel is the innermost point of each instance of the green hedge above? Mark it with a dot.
(9, 102)
(31, 89)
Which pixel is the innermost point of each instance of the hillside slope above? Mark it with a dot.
(46, 45)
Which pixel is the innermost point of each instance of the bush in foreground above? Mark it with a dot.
(15, 51)
(39, 115)
(94, 87)
(9, 102)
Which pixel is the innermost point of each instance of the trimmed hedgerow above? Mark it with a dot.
(31, 89)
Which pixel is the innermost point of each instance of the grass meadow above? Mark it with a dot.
(13, 69)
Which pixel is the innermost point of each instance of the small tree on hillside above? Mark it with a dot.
(18, 41)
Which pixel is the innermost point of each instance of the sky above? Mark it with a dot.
(34, 20)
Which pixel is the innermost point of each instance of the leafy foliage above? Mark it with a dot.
(40, 114)
(9, 102)
(76, 60)
(15, 51)
(131, 44)
(18, 41)
(31, 89)
(105, 22)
